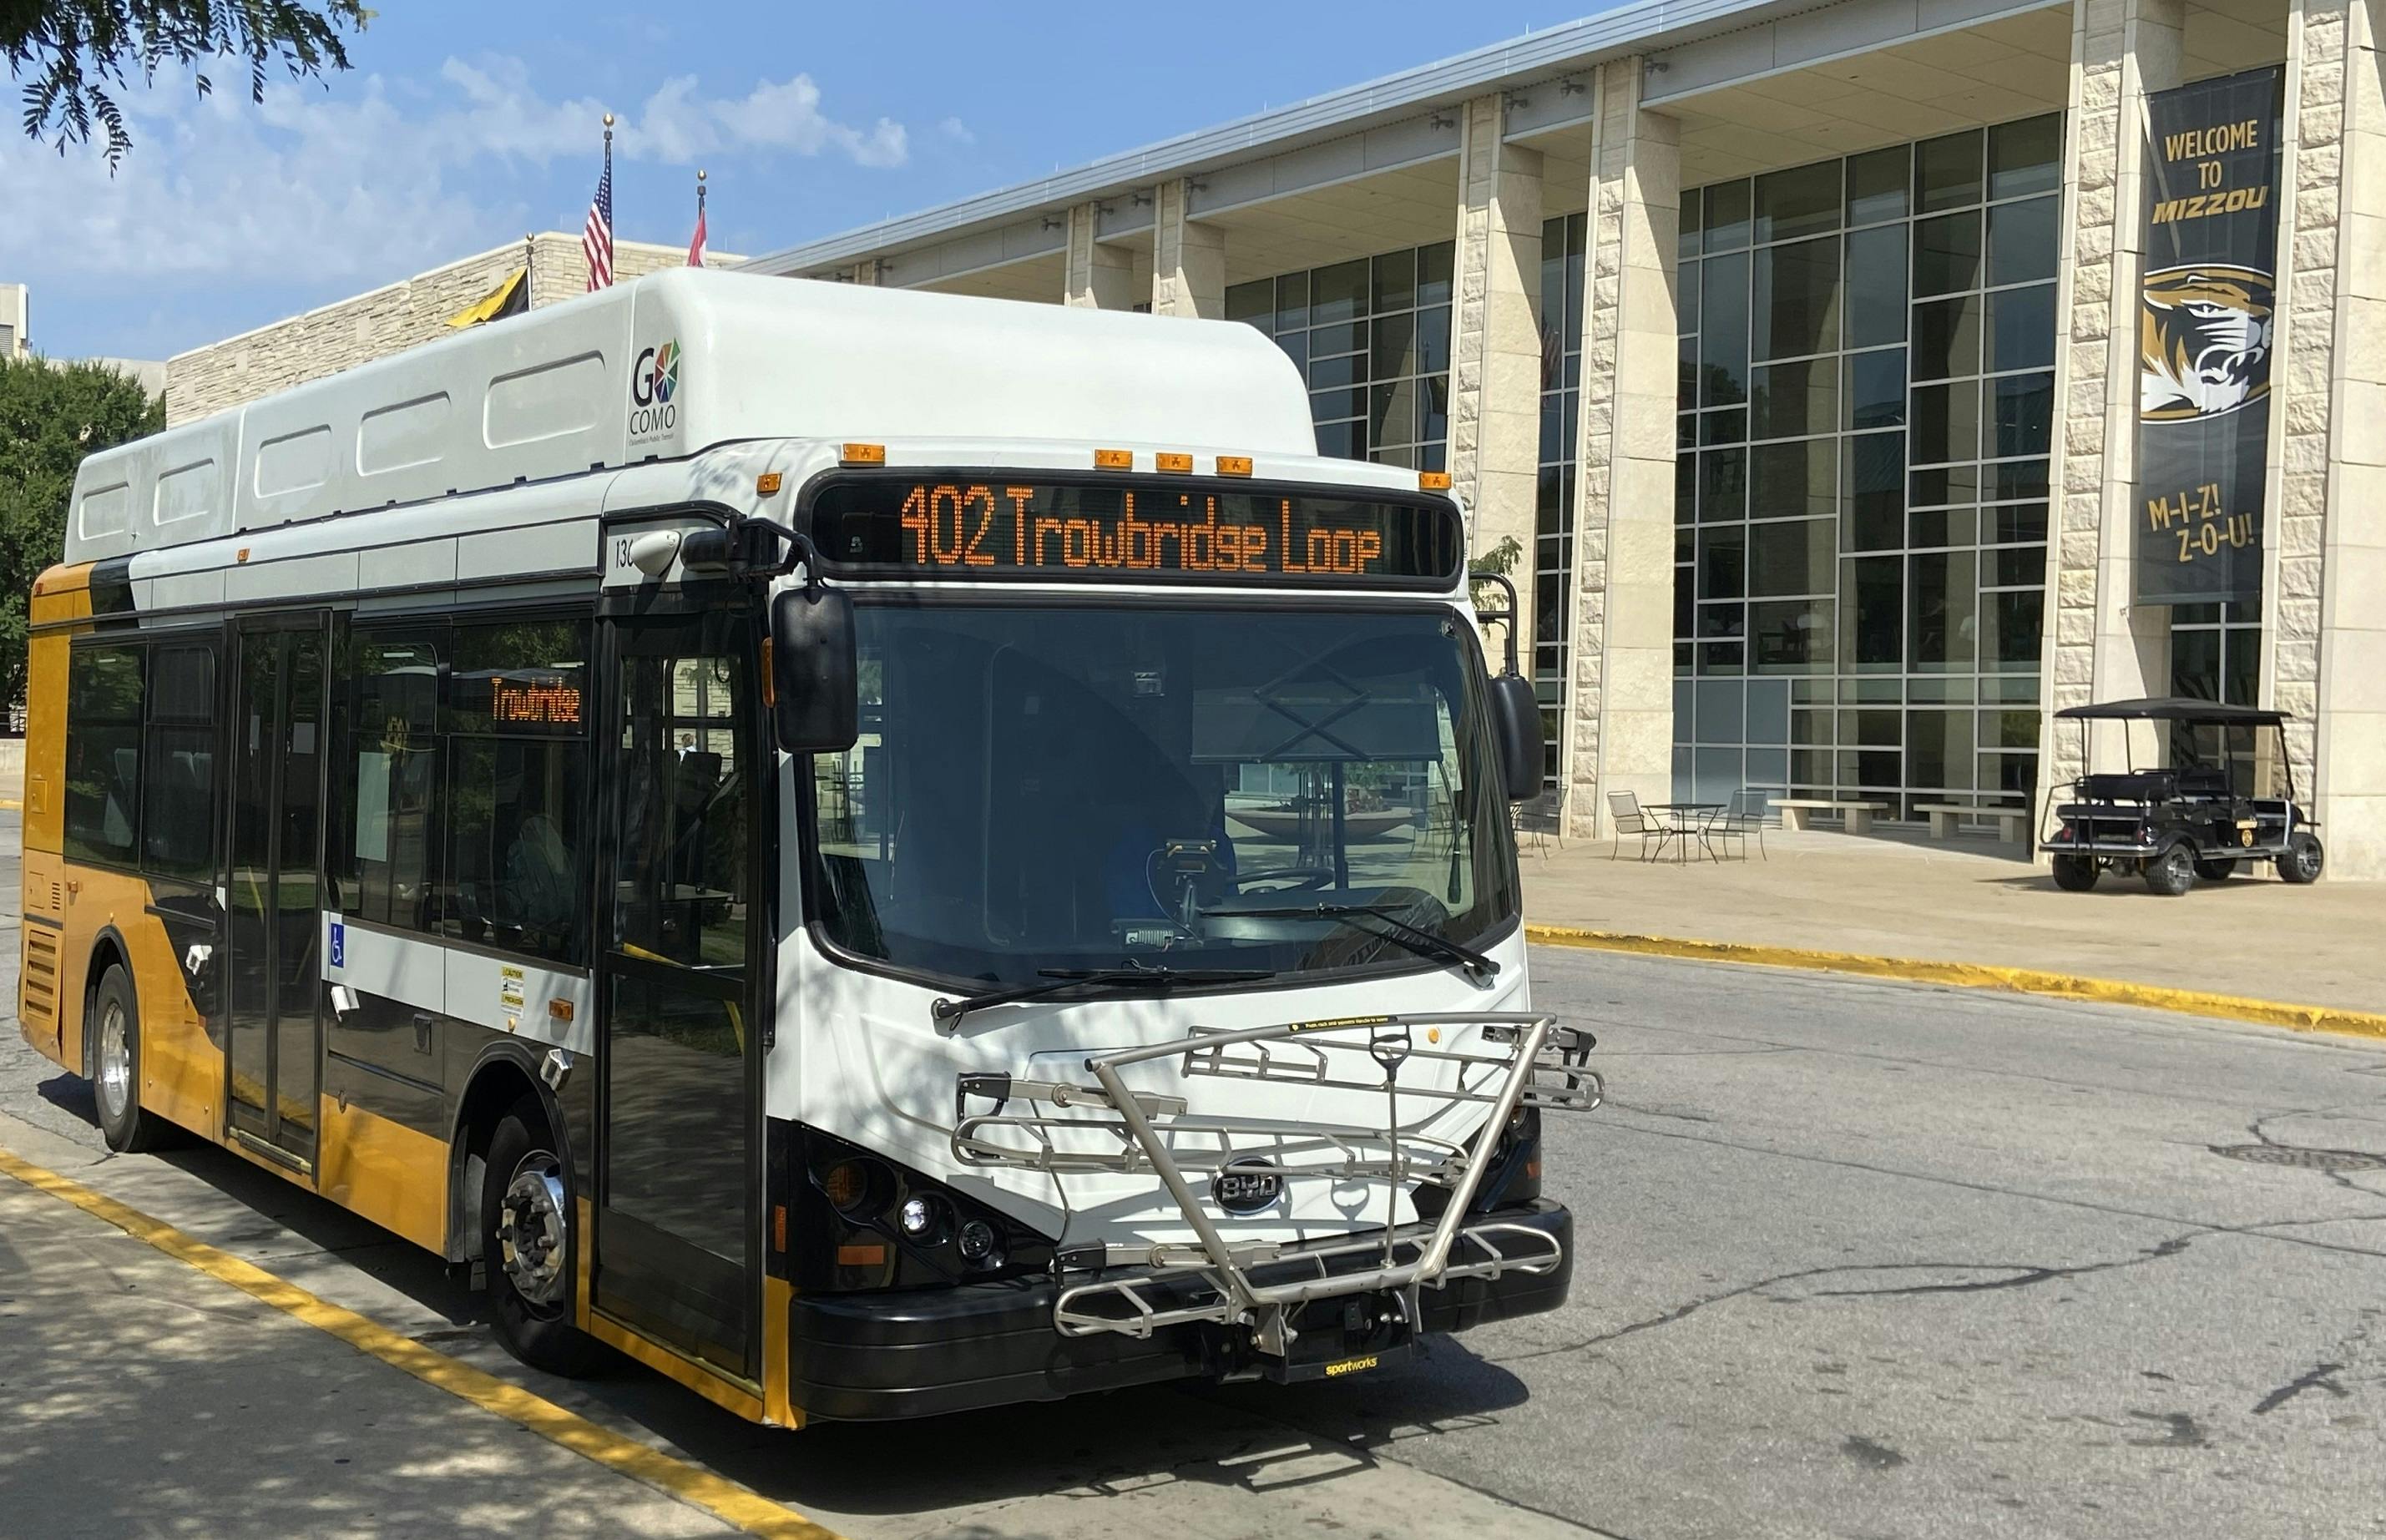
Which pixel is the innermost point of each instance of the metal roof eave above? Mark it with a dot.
(1590, 41)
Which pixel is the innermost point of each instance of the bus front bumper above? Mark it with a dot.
(926, 1352)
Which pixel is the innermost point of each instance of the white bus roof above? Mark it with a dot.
(673, 364)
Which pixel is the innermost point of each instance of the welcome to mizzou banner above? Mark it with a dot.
(2204, 399)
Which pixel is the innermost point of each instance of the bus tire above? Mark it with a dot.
(529, 1245)
(112, 1057)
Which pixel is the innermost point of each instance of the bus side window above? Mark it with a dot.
(102, 800)
(388, 851)
(178, 819)
(515, 718)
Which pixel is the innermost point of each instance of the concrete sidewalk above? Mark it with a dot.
(145, 1397)
(1979, 902)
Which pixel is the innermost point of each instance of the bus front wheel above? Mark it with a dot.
(527, 1241)
(112, 1058)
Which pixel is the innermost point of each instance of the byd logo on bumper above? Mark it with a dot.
(654, 381)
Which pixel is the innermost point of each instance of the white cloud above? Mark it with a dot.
(376, 180)
(957, 130)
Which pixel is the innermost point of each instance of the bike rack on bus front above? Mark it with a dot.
(1512, 1061)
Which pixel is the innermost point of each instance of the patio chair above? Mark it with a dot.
(1624, 808)
(1744, 815)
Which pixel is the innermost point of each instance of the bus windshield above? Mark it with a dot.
(1042, 786)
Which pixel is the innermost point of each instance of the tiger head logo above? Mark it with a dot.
(2204, 337)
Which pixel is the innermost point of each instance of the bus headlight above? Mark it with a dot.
(920, 1218)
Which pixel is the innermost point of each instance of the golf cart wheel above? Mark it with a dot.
(2172, 873)
(2302, 860)
(2075, 873)
(2218, 869)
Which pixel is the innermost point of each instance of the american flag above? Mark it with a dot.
(596, 240)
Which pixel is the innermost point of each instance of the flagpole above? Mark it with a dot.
(530, 245)
(698, 255)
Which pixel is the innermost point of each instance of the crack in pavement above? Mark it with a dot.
(2022, 1277)
(1873, 1169)
(2321, 1376)
(2025, 1276)
(2314, 1378)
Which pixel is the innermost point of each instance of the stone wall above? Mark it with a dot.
(387, 320)
(1495, 350)
(1619, 713)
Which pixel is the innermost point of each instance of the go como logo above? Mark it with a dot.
(654, 380)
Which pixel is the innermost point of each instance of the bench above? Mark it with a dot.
(1859, 814)
(1944, 814)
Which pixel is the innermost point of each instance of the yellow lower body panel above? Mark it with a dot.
(385, 1172)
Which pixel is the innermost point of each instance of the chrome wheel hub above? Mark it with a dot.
(531, 1228)
(115, 1077)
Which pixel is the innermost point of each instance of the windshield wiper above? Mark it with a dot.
(1064, 980)
(1416, 938)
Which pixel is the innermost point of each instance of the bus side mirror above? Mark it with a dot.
(1516, 725)
(815, 671)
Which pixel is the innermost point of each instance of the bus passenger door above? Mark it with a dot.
(679, 1192)
(273, 901)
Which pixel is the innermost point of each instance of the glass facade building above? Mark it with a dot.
(1561, 315)
(1867, 407)
(1372, 337)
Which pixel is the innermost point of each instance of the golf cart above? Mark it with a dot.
(2227, 795)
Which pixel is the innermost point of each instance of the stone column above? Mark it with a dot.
(864, 272)
(1099, 277)
(1495, 376)
(2104, 645)
(1188, 258)
(2328, 612)
(1621, 709)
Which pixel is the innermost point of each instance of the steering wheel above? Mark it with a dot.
(1294, 878)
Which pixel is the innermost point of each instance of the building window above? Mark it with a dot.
(1866, 405)
(1372, 338)
(1561, 268)
(2216, 652)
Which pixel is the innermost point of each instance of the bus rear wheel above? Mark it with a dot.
(112, 1057)
(528, 1244)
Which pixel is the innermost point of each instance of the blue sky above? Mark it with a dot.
(464, 126)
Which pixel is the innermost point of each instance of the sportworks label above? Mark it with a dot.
(1351, 1366)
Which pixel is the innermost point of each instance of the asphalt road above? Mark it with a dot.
(1856, 1259)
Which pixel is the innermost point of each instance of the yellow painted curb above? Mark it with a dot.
(692, 1484)
(12, 805)
(1977, 975)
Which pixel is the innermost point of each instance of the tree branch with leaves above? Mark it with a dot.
(76, 57)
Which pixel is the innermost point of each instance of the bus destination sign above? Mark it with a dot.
(983, 526)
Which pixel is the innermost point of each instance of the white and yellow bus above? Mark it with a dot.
(878, 852)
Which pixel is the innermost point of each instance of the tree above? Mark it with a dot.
(73, 55)
(51, 416)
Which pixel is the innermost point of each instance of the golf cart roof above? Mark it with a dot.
(2174, 708)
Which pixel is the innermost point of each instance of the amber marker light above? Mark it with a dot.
(861, 1256)
(1234, 465)
(864, 454)
(1178, 464)
(1113, 459)
(1433, 480)
(767, 483)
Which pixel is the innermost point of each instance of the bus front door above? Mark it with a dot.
(679, 1190)
(273, 1021)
